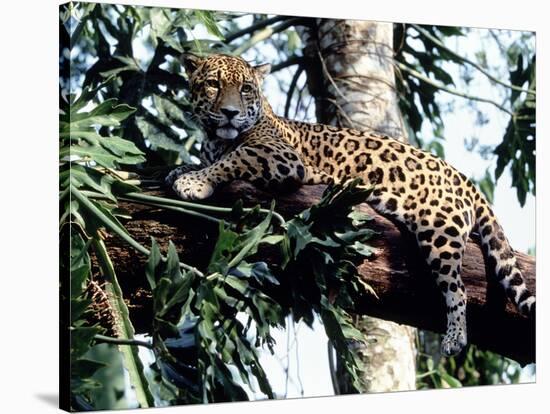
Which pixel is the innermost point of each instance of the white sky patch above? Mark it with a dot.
(303, 353)
(181, 132)
(142, 51)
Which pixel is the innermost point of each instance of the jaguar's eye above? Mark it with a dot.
(212, 83)
(246, 88)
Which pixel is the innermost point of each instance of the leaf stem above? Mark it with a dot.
(118, 231)
(174, 208)
(115, 228)
(181, 203)
(123, 325)
(121, 341)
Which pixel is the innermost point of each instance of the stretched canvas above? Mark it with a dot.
(262, 206)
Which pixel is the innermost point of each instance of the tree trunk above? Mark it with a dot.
(350, 74)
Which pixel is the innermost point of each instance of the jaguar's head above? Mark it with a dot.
(225, 92)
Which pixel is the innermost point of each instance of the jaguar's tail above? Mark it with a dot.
(501, 260)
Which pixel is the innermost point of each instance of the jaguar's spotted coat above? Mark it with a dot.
(246, 140)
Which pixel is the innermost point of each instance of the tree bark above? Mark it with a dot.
(405, 291)
(350, 74)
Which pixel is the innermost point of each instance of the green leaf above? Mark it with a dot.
(258, 270)
(123, 326)
(437, 148)
(108, 113)
(299, 233)
(453, 382)
(363, 249)
(273, 239)
(207, 18)
(81, 338)
(110, 395)
(232, 248)
(165, 139)
(359, 218)
(354, 235)
(129, 64)
(152, 264)
(173, 263)
(82, 176)
(161, 24)
(487, 186)
(293, 40)
(79, 264)
(83, 148)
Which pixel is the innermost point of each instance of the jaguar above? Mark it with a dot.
(438, 205)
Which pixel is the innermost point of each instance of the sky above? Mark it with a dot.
(300, 365)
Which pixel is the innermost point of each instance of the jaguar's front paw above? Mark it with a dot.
(192, 186)
(178, 172)
(453, 342)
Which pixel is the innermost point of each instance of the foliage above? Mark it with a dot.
(422, 56)
(208, 330)
(518, 146)
(89, 151)
(214, 306)
(472, 367)
(418, 98)
(88, 189)
(153, 85)
(327, 241)
(82, 333)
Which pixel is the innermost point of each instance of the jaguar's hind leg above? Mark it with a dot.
(443, 254)
(314, 175)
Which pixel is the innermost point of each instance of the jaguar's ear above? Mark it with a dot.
(190, 62)
(262, 70)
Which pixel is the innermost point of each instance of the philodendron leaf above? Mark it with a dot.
(300, 234)
(79, 264)
(152, 264)
(258, 270)
(112, 393)
(107, 113)
(452, 381)
(84, 146)
(207, 18)
(123, 326)
(173, 263)
(232, 248)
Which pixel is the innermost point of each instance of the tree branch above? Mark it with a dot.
(293, 60)
(253, 27)
(120, 341)
(266, 32)
(442, 87)
(291, 89)
(439, 44)
(406, 294)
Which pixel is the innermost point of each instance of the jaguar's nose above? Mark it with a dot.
(229, 112)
